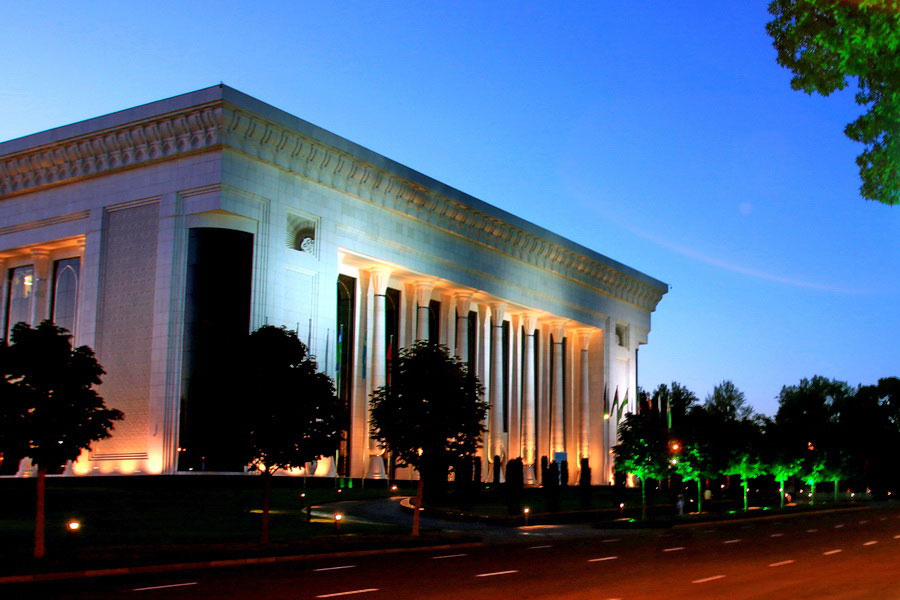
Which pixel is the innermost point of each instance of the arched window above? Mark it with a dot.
(65, 292)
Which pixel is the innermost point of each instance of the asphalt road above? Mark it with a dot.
(851, 554)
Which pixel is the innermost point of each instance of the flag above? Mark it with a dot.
(622, 406)
(668, 413)
(615, 403)
(605, 401)
(389, 360)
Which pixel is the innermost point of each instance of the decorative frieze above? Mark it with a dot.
(221, 124)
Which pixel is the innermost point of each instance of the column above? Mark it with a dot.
(378, 277)
(529, 321)
(41, 296)
(584, 342)
(423, 308)
(557, 438)
(463, 306)
(497, 447)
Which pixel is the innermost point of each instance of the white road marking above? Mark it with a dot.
(347, 593)
(335, 568)
(675, 549)
(832, 552)
(611, 540)
(705, 579)
(496, 573)
(603, 559)
(811, 530)
(159, 587)
(731, 541)
(838, 526)
(448, 556)
(776, 535)
(882, 519)
(872, 543)
(897, 537)
(781, 563)
(539, 547)
(863, 522)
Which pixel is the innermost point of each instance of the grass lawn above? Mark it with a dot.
(136, 517)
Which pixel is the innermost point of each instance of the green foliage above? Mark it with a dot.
(432, 415)
(294, 416)
(828, 44)
(49, 409)
(643, 446)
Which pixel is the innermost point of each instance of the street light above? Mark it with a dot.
(73, 525)
(338, 517)
(525, 511)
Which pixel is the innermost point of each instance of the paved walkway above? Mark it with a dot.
(389, 511)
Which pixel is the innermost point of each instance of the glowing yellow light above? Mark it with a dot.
(73, 525)
(526, 510)
(621, 505)
(303, 494)
(606, 416)
(338, 516)
(676, 446)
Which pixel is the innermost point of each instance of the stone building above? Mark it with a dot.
(158, 234)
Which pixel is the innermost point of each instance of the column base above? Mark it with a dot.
(376, 468)
(325, 467)
(528, 475)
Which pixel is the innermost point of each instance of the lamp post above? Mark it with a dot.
(338, 517)
(525, 511)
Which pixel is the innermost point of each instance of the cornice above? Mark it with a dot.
(222, 124)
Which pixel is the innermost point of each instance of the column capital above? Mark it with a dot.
(379, 276)
(558, 330)
(463, 304)
(584, 337)
(498, 312)
(530, 323)
(423, 289)
(80, 244)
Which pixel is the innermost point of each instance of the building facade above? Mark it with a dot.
(160, 234)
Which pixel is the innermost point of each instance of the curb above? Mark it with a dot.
(218, 564)
(770, 517)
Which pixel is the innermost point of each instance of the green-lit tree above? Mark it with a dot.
(431, 416)
(642, 450)
(747, 467)
(835, 470)
(693, 465)
(813, 474)
(781, 469)
(295, 415)
(49, 409)
(828, 44)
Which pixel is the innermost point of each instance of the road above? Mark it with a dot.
(843, 555)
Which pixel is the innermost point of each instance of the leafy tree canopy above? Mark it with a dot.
(432, 412)
(643, 446)
(294, 415)
(828, 44)
(49, 409)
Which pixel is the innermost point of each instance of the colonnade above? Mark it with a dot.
(554, 388)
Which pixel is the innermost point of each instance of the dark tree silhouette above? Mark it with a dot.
(828, 44)
(431, 416)
(294, 414)
(49, 410)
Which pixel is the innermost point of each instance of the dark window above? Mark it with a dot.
(65, 292)
(473, 339)
(20, 289)
(392, 329)
(346, 308)
(505, 348)
(434, 321)
(216, 321)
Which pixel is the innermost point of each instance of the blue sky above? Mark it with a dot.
(662, 134)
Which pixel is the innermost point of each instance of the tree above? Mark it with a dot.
(693, 465)
(781, 469)
(642, 450)
(431, 416)
(295, 413)
(814, 473)
(49, 410)
(827, 44)
(747, 466)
